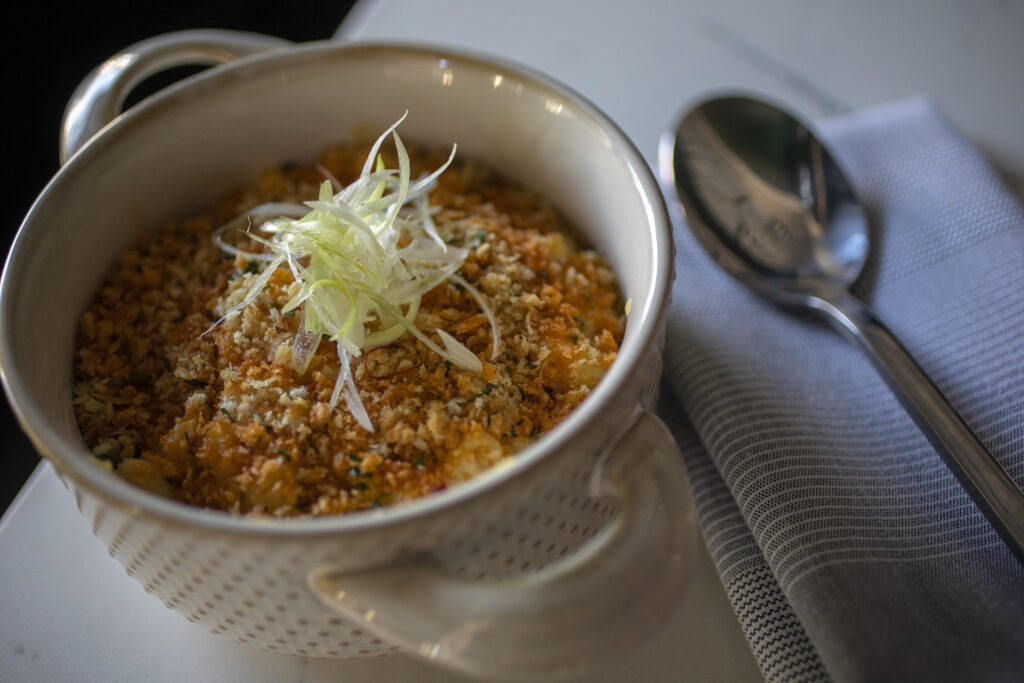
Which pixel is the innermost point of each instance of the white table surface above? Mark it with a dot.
(68, 612)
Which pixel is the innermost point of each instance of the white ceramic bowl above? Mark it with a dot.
(575, 549)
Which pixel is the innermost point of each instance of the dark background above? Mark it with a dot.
(54, 47)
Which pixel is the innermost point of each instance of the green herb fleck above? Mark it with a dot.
(227, 415)
(197, 383)
(250, 268)
(488, 388)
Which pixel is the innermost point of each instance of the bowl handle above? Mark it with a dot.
(610, 595)
(99, 98)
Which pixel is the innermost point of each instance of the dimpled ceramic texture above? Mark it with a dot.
(171, 156)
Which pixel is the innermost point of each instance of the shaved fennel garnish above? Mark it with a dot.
(495, 334)
(363, 256)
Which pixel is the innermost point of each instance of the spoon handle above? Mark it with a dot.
(992, 489)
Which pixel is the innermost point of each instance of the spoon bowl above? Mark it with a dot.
(769, 203)
(767, 200)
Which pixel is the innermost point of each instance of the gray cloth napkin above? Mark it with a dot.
(847, 548)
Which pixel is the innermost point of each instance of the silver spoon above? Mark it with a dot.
(770, 205)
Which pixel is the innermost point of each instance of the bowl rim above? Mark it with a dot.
(641, 343)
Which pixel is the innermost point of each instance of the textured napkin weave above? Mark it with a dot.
(847, 548)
